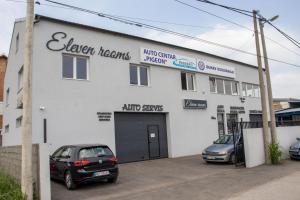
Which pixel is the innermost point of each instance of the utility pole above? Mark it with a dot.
(26, 179)
(270, 94)
(262, 92)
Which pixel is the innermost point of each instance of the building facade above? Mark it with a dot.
(143, 98)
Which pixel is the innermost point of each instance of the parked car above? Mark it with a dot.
(222, 150)
(295, 150)
(75, 164)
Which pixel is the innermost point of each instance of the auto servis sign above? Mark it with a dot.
(167, 59)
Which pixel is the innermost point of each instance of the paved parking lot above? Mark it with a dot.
(178, 178)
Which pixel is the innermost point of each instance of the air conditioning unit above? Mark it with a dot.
(20, 101)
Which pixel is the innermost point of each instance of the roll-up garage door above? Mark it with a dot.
(140, 136)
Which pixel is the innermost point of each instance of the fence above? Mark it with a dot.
(11, 161)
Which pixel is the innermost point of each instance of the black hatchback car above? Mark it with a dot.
(75, 164)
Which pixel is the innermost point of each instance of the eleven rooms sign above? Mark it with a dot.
(162, 58)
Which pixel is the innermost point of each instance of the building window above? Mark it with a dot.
(19, 122)
(220, 86)
(139, 75)
(7, 97)
(6, 129)
(187, 81)
(223, 86)
(221, 127)
(75, 67)
(212, 85)
(227, 84)
(250, 90)
(20, 79)
(17, 43)
(235, 87)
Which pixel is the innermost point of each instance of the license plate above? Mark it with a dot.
(104, 173)
(211, 157)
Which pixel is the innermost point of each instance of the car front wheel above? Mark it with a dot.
(232, 158)
(69, 181)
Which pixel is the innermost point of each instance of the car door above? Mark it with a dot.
(53, 164)
(62, 161)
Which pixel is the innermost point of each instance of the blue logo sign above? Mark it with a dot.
(201, 65)
(184, 63)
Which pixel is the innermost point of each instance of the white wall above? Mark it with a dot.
(286, 137)
(45, 185)
(254, 147)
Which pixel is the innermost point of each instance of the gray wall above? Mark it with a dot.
(10, 163)
(71, 105)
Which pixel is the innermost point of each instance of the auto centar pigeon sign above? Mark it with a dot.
(167, 59)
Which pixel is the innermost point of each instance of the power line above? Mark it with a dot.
(237, 24)
(295, 42)
(139, 24)
(176, 24)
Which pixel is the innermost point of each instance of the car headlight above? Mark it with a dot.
(203, 152)
(223, 152)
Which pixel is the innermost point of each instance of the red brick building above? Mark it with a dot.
(3, 63)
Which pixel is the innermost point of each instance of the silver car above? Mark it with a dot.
(222, 150)
(295, 150)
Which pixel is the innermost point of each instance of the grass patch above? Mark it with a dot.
(10, 189)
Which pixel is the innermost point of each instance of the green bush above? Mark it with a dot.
(275, 153)
(10, 189)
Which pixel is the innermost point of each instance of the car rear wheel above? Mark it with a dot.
(69, 181)
(112, 180)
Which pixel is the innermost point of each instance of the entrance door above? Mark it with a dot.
(231, 121)
(153, 138)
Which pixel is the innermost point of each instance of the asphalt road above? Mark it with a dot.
(180, 179)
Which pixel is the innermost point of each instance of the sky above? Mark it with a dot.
(285, 79)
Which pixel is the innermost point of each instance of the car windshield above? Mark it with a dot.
(92, 152)
(225, 139)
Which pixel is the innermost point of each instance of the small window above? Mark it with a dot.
(187, 81)
(212, 85)
(235, 88)
(220, 86)
(7, 97)
(20, 79)
(19, 122)
(17, 43)
(6, 129)
(244, 89)
(139, 75)
(249, 90)
(256, 91)
(93, 152)
(227, 84)
(75, 67)
(66, 152)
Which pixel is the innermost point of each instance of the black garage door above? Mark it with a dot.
(140, 136)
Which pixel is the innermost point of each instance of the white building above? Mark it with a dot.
(143, 98)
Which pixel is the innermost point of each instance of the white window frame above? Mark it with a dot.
(17, 42)
(20, 78)
(238, 87)
(253, 95)
(138, 69)
(6, 128)
(215, 92)
(19, 122)
(187, 83)
(7, 97)
(75, 67)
